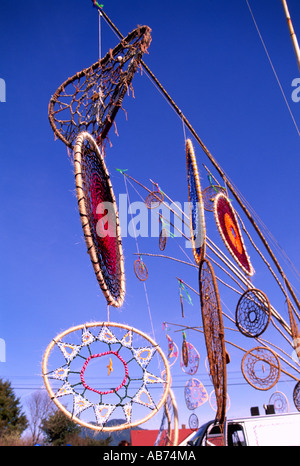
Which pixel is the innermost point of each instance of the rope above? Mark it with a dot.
(100, 14)
(273, 69)
(137, 247)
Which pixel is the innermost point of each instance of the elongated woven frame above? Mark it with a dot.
(107, 336)
(214, 335)
(230, 232)
(197, 216)
(89, 100)
(94, 190)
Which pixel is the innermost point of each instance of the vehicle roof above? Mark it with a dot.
(262, 416)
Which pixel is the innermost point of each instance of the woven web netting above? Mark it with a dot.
(99, 219)
(90, 100)
(214, 335)
(253, 313)
(197, 220)
(101, 371)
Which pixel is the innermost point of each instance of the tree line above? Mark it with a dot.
(43, 425)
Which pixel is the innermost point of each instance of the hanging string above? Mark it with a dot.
(100, 14)
(137, 247)
(273, 69)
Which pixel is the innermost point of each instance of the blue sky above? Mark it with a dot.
(209, 57)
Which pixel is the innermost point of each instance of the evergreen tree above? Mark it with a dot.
(12, 420)
(59, 429)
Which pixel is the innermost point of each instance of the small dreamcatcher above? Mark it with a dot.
(213, 401)
(104, 368)
(195, 394)
(99, 218)
(253, 313)
(280, 402)
(140, 269)
(210, 193)
(172, 348)
(261, 368)
(197, 218)
(189, 358)
(193, 422)
(155, 198)
(184, 351)
(230, 232)
(163, 239)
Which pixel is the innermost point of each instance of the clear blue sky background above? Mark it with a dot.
(208, 55)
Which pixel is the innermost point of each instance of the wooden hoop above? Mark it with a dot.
(115, 301)
(167, 379)
(191, 158)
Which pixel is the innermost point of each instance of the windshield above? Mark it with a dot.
(195, 441)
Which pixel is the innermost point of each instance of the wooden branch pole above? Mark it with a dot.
(217, 167)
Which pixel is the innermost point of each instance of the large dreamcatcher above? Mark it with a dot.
(94, 370)
(214, 335)
(230, 232)
(89, 100)
(197, 218)
(99, 218)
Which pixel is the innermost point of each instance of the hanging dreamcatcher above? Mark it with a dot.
(197, 218)
(193, 422)
(210, 193)
(89, 101)
(195, 394)
(93, 370)
(99, 218)
(163, 234)
(140, 269)
(230, 232)
(189, 358)
(280, 402)
(261, 368)
(154, 198)
(184, 351)
(172, 348)
(213, 401)
(214, 335)
(253, 313)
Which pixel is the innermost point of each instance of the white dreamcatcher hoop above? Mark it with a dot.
(127, 375)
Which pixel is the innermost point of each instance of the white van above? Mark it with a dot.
(268, 430)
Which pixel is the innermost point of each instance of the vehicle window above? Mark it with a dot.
(196, 440)
(212, 437)
(235, 435)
